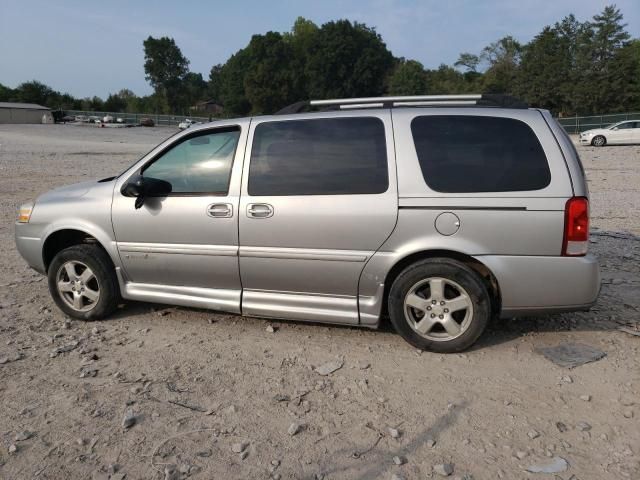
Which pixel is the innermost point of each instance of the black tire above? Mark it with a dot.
(95, 259)
(450, 270)
(598, 141)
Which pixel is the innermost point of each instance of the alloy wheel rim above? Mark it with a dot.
(78, 286)
(438, 309)
(598, 141)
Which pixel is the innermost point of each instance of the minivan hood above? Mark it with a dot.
(69, 191)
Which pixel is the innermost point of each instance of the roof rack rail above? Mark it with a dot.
(480, 100)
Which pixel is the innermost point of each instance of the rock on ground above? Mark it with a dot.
(443, 469)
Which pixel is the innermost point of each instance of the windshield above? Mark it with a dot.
(611, 127)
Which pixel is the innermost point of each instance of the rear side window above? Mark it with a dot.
(329, 156)
(466, 154)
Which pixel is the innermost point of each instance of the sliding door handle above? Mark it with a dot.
(259, 210)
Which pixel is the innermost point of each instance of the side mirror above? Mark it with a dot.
(154, 187)
(134, 187)
(143, 187)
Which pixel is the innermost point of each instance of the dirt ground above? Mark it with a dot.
(218, 396)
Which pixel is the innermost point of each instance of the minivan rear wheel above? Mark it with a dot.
(82, 282)
(440, 305)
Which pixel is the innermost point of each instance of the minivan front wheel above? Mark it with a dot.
(440, 305)
(82, 282)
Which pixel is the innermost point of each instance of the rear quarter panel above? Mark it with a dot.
(527, 223)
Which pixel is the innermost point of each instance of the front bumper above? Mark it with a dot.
(29, 245)
(538, 285)
(586, 140)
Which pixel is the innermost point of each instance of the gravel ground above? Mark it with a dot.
(220, 396)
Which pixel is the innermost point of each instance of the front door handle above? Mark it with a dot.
(220, 210)
(259, 210)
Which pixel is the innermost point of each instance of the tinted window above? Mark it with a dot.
(461, 154)
(200, 164)
(319, 157)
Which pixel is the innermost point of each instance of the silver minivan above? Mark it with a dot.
(438, 211)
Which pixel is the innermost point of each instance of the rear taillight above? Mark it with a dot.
(576, 227)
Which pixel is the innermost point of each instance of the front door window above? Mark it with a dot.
(199, 164)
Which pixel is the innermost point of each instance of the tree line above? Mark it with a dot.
(570, 68)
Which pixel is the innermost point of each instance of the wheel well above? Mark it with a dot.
(490, 281)
(62, 239)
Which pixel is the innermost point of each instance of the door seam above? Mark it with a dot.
(240, 196)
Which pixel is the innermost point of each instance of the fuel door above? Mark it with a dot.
(447, 223)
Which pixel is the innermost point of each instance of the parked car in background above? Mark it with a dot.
(442, 218)
(187, 123)
(621, 133)
(147, 122)
(107, 119)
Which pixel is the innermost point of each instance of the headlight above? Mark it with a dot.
(24, 212)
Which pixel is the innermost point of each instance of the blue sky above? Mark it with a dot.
(95, 47)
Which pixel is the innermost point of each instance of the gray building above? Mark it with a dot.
(24, 113)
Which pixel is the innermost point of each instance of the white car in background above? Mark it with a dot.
(187, 123)
(621, 133)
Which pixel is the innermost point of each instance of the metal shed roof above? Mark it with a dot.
(24, 106)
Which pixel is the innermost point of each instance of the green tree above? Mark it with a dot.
(230, 84)
(407, 78)
(67, 102)
(503, 58)
(6, 93)
(130, 100)
(213, 86)
(605, 84)
(468, 61)
(194, 89)
(114, 103)
(123, 101)
(624, 82)
(347, 60)
(146, 104)
(472, 77)
(446, 79)
(273, 78)
(302, 35)
(609, 35)
(36, 92)
(573, 35)
(92, 103)
(545, 67)
(633, 52)
(165, 68)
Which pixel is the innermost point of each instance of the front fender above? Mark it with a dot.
(105, 238)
